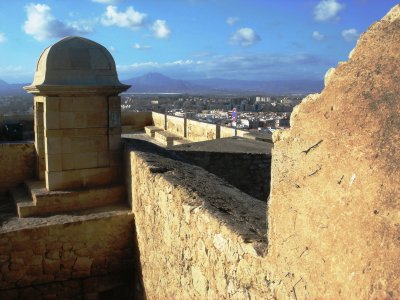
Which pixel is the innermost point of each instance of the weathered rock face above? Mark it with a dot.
(334, 213)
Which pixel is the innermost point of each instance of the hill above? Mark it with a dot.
(159, 83)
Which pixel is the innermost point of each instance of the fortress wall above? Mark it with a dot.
(246, 171)
(176, 125)
(135, 120)
(230, 131)
(196, 131)
(334, 211)
(67, 257)
(16, 164)
(227, 132)
(158, 120)
(197, 236)
(199, 131)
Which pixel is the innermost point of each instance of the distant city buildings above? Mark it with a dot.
(259, 113)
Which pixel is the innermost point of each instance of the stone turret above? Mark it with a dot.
(77, 115)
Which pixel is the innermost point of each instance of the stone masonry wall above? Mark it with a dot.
(135, 120)
(66, 257)
(229, 132)
(176, 125)
(16, 164)
(198, 131)
(158, 120)
(248, 172)
(198, 236)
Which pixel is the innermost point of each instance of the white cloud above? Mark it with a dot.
(160, 29)
(318, 36)
(245, 37)
(327, 10)
(237, 66)
(42, 25)
(141, 47)
(232, 20)
(151, 65)
(2, 37)
(84, 26)
(130, 18)
(350, 34)
(12, 73)
(11, 69)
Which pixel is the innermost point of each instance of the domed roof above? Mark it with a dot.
(76, 62)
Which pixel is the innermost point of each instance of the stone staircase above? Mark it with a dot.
(165, 137)
(33, 200)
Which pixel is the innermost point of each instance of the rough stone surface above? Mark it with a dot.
(158, 120)
(61, 254)
(334, 212)
(201, 238)
(16, 164)
(241, 162)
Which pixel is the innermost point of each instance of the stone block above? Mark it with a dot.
(54, 162)
(97, 119)
(53, 254)
(103, 159)
(166, 137)
(54, 180)
(66, 104)
(66, 120)
(51, 266)
(53, 145)
(114, 142)
(151, 130)
(114, 103)
(82, 160)
(100, 176)
(34, 270)
(80, 119)
(52, 120)
(52, 104)
(83, 265)
(89, 104)
(115, 130)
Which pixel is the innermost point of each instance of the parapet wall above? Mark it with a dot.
(201, 237)
(249, 172)
(135, 120)
(17, 164)
(176, 125)
(67, 257)
(193, 130)
(159, 120)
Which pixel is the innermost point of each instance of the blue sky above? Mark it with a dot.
(189, 39)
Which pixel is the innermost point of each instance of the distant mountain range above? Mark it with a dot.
(159, 83)
(156, 82)
(7, 89)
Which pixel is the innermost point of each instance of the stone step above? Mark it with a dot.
(23, 201)
(35, 200)
(166, 138)
(181, 142)
(151, 130)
